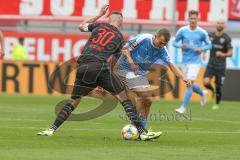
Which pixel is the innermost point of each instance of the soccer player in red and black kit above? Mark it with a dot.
(221, 49)
(94, 70)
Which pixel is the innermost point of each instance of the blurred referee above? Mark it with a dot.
(221, 49)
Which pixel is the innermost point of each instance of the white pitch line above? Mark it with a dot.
(22, 119)
(216, 120)
(194, 119)
(41, 120)
(111, 130)
(202, 132)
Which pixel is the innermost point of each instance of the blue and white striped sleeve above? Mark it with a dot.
(178, 38)
(165, 58)
(207, 43)
(134, 42)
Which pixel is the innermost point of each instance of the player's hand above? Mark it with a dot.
(219, 54)
(198, 50)
(104, 10)
(135, 68)
(183, 46)
(100, 90)
(187, 82)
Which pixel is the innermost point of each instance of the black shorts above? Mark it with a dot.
(219, 75)
(92, 74)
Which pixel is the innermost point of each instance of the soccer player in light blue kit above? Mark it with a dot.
(194, 40)
(139, 54)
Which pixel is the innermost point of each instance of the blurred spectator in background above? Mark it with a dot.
(1, 45)
(19, 52)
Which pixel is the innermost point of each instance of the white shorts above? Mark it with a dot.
(190, 71)
(132, 81)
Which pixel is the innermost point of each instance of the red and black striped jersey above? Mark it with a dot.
(105, 40)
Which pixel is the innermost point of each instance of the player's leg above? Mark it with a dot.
(209, 73)
(193, 71)
(111, 83)
(187, 97)
(133, 116)
(144, 97)
(219, 82)
(81, 88)
(64, 113)
(197, 89)
(188, 91)
(141, 87)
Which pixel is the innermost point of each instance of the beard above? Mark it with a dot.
(219, 29)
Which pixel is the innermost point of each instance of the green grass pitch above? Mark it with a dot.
(205, 134)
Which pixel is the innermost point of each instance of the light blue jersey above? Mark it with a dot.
(193, 39)
(144, 54)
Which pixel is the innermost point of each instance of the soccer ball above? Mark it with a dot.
(130, 132)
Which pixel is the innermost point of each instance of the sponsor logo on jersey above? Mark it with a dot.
(222, 40)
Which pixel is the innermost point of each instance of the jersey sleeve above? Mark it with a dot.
(120, 42)
(178, 38)
(229, 43)
(134, 42)
(165, 58)
(210, 34)
(92, 26)
(207, 43)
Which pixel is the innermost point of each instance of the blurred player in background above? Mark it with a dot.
(1, 45)
(94, 70)
(194, 40)
(139, 54)
(221, 49)
(19, 52)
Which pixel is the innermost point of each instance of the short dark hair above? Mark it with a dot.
(116, 12)
(21, 39)
(193, 12)
(165, 33)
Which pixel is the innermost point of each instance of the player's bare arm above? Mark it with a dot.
(84, 24)
(127, 53)
(223, 55)
(198, 50)
(1, 45)
(183, 46)
(179, 74)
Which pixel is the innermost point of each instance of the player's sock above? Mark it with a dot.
(209, 86)
(133, 115)
(144, 121)
(187, 96)
(218, 95)
(197, 89)
(63, 115)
